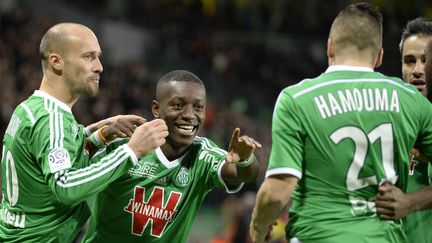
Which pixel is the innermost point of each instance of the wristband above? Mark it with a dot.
(105, 141)
(96, 139)
(246, 162)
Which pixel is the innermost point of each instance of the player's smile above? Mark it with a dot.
(186, 130)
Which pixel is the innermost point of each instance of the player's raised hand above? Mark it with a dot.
(241, 148)
(116, 126)
(148, 137)
(121, 126)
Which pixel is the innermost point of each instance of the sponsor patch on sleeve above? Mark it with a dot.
(58, 159)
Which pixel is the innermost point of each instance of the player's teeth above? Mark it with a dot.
(186, 127)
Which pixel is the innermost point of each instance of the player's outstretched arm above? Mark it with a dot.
(272, 199)
(241, 164)
(73, 185)
(392, 203)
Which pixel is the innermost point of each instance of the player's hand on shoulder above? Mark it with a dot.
(148, 137)
(241, 147)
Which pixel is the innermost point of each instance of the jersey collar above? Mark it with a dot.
(45, 95)
(334, 68)
(169, 164)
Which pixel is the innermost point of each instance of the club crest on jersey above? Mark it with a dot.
(74, 131)
(153, 212)
(59, 159)
(413, 163)
(183, 177)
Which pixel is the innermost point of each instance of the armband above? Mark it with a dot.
(246, 162)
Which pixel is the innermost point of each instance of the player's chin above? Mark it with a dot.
(93, 91)
(183, 141)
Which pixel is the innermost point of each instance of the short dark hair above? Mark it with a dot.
(418, 26)
(177, 75)
(358, 25)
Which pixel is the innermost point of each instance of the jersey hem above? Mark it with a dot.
(285, 170)
(131, 153)
(221, 180)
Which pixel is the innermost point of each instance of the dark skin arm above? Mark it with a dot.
(392, 203)
(240, 149)
(116, 126)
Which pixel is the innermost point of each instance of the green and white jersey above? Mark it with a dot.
(43, 187)
(417, 224)
(157, 200)
(342, 134)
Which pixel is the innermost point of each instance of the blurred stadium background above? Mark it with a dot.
(245, 51)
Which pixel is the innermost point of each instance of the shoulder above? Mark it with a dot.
(207, 146)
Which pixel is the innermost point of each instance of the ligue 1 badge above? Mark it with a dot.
(59, 159)
(183, 177)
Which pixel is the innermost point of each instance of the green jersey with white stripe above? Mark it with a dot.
(343, 133)
(158, 199)
(416, 224)
(44, 178)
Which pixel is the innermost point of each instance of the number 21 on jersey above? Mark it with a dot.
(362, 141)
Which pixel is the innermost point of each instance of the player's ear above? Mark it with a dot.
(330, 51)
(379, 58)
(56, 62)
(155, 109)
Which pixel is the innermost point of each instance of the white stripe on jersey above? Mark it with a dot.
(109, 163)
(338, 81)
(206, 144)
(29, 113)
(284, 171)
(56, 126)
(51, 120)
(61, 131)
(55, 123)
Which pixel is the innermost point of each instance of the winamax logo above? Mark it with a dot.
(152, 210)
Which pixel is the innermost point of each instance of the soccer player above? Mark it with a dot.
(337, 137)
(417, 33)
(44, 178)
(415, 37)
(392, 203)
(158, 199)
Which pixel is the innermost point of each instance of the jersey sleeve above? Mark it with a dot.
(65, 163)
(287, 150)
(214, 158)
(424, 140)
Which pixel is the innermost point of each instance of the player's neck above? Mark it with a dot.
(172, 153)
(58, 90)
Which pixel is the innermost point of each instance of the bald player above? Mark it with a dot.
(46, 174)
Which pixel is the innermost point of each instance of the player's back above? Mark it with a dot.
(357, 128)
